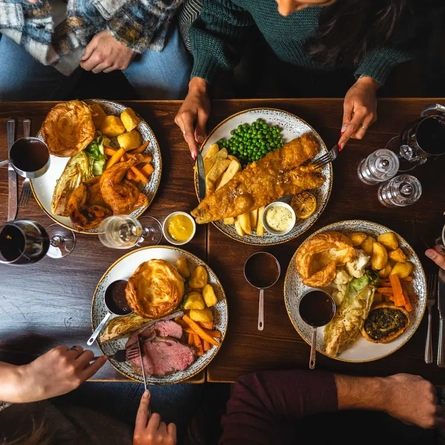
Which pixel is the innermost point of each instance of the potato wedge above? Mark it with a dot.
(389, 240)
(233, 168)
(198, 278)
(215, 172)
(129, 140)
(244, 221)
(357, 238)
(384, 273)
(213, 149)
(204, 315)
(209, 296)
(398, 255)
(253, 218)
(366, 245)
(129, 119)
(260, 226)
(98, 114)
(194, 300)
(379, 257)
(402, 270)
(211, 161)
(182, 265)
(112, 126)
(238, 228)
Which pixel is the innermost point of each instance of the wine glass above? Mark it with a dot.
(422, 139)
(126, 231)
(26, 242)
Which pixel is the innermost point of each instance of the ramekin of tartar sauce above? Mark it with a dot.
(279, 218)
(178, 228)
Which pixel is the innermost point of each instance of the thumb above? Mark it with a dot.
(438, 258)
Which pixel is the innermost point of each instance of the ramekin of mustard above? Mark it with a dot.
(279, 218)
(179, 228)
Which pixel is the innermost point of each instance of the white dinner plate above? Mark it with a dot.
(122, 269)
(291, 127)
(362, 350)
(43, 187)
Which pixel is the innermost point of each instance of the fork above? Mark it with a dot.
(431, 283)
(123, 355)
(328, 157)
(26, 186)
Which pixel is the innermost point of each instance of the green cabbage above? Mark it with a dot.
(96, 153)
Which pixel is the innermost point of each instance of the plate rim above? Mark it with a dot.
(332, 226)
(174, 248)
(157, 185)
(324, 146)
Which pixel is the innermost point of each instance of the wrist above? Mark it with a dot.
(368, 82)
(198, 85)
(12, 385)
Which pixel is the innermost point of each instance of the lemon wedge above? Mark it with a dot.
(304, 204)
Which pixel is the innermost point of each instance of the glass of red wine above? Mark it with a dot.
(422, 139)
(26, 242)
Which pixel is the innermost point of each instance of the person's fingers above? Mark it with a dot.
(366, 123)
(142, 414)
(93, 367)
(352, 127)
(76, 350)
(200, 130)
(85, 357)
(153, 423)
(438, 258)
(185, 123)
(100, 67)
(162, 428)
(438, 249)
(89, 49)
(171, 430)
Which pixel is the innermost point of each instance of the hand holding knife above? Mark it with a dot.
(441, 307)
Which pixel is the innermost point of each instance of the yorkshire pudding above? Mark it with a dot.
(385, 322)
(318, 258)
(68, 128)
(155, 289)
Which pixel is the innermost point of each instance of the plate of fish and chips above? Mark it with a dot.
(179, 310)
(376, 280)
(224, 166)
(92, 140)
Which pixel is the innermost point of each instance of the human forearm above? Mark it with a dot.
(11, 388)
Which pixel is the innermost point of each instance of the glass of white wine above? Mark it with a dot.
(126, 231)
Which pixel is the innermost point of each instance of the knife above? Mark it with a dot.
(201, 177)
(12, 175)
(141, 348)
(441, 307)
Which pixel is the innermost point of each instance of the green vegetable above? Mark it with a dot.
(96, 154)
(370, 277)
(250, 143)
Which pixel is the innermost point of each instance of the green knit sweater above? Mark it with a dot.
(219, 32)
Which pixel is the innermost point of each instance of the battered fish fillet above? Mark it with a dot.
(278, 174)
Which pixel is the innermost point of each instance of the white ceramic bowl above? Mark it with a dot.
(167, 235)
(290, 224)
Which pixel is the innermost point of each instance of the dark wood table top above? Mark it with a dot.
(48, 303)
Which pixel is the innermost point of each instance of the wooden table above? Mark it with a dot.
(48, 303)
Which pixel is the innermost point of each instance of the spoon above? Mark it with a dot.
(316, 308)
(115, 303)
(262, 271)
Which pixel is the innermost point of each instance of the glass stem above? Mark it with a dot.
(56, 241)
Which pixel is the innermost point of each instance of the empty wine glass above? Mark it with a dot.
(126, 231)
(26, 242)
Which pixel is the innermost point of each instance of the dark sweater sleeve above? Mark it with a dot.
(216, 37)
(261, 403)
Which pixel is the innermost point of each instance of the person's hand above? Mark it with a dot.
(437, 256)
(359, 109)
(413, 400)
(105, 54)
(149, 430)
(57, 372)
(193, 114)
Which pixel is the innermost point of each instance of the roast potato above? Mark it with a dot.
(129, 140)
(379, 257)
(384, 273)
(203, 315)
(209, 296)
(98, 114)
(198, 278)
(357, 238)
(398, 255)
(183, 267)
(112, 126)
(366, 245)
(389, 240)
(194, 300)
(129, 119)
(402, 270)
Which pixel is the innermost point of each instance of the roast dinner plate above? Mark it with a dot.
(361, 350)
(291, 127)
(123, 268)
(43, 187)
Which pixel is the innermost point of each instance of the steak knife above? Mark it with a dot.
(201, 176)
(441, 306)
(12, 175)
(141, 348)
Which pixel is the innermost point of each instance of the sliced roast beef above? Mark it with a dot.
(164, 355)
(160, 329)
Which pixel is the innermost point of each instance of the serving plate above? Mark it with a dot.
(291, 127)
(43, 187)
(123, 268)
(362, 350)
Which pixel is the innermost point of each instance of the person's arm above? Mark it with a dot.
(57, 372)
(261, 403)
(216, 38)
